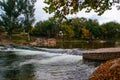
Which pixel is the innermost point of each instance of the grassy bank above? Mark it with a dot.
(21, 39)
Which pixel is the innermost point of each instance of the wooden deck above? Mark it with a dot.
(102, 54)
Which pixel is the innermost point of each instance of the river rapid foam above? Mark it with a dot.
(43, 64)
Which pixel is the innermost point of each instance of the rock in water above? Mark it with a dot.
(109, 70)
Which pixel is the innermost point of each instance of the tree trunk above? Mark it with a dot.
(28, 35)
(9, 35)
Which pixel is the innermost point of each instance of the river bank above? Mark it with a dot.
(21, 39)
(105, 48)
(81, 44)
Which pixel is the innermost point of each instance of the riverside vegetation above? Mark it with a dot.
(74, 29)
(11, 22)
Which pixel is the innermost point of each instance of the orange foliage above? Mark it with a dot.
(86, 33)
(107, 71)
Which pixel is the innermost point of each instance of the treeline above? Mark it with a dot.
(77, 28)
(17, 16)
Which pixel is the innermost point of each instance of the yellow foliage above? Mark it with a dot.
(86, 33)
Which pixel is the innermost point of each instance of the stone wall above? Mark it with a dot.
(101, 56)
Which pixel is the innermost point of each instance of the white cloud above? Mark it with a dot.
(109, 15)
(40, 14)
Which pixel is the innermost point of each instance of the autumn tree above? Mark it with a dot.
(78, 24)
(62, 8)
(86, 34)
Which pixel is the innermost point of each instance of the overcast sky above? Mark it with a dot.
(109, 15)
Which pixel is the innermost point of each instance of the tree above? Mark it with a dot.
(68, 30)
(61, 8)
(11, 10)
(110, 30)
(28, 12)
(93, 27)
(1, 29)
(78, 24)
(48, 28)
(86, 34)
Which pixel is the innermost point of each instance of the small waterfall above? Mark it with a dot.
(55, 64)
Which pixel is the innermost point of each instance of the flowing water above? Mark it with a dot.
(43, 64)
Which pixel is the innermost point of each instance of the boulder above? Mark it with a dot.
(33, 44)
(109, 70)
(51, 42)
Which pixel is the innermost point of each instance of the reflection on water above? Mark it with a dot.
(45, 64)
(89, 45)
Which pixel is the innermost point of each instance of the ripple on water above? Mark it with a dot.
(43, 65)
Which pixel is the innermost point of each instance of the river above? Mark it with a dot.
(43, 64)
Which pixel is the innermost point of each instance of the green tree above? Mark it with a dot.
(110, 30)
(61, 8)
(10, 11)
(48, 28)
(40, 29)
(68, 31)
(93, 27)
(28, 12)
(78, 24)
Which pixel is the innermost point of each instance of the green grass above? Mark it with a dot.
(22, 38)
(117, 39)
